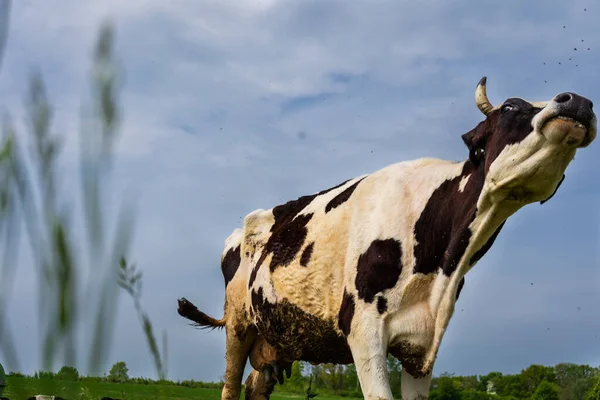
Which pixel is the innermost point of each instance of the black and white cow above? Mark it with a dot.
(374, 266)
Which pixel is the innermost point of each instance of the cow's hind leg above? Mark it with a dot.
(239, 343)
(259, 385)
(268, 369)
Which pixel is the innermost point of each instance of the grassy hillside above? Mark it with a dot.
(22, 388)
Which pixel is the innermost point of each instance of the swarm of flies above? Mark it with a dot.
(574, 49)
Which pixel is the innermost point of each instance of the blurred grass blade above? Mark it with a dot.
(164, 357)
(66, 289)
(4, 25)
(130, 281)
(47, 244)
(9, 229)
(29, 179)
(103, 331)
(97, 145)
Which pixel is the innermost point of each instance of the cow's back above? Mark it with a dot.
(300, 249)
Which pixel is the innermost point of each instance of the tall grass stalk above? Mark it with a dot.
(29, 197)
(130, 280)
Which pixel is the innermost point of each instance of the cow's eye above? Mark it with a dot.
(506, 108)
(479, 153)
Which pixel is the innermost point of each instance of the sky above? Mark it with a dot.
(231, 106)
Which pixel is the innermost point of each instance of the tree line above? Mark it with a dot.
(564, 381)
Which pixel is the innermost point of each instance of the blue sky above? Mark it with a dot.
(232, 106)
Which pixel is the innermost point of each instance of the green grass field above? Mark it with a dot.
(22, 388)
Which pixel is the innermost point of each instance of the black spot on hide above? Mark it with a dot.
(378, 268)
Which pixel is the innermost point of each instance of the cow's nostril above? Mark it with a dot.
(591, 105)
(562, 98)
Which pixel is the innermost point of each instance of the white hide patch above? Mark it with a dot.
(232, 240)
(463, 183)
(531, 168)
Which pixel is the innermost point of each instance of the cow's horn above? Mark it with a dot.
(481, 99)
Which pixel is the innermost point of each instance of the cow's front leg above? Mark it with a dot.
(370, 355)
(415, 388)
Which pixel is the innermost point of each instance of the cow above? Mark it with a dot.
(375, 265)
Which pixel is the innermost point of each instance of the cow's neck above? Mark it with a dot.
(490, 213)
(442, 231)
(476, 221)
(459, 223)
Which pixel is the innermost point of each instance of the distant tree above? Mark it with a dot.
(2, 376)
(491, 387)
(318, 376)
(296, 381)
(446, 389)
(493, 377)
(334, 376)
(513, 385)
(471, 394)
(581, 388)
(395, 375)
(351, 379)
(567, 373)
(45, 375)
(68, 373)
(594, 393)
(535, 374)
(2, 379)
(469, 382)
(574, 380)
(310, 394)
(546, 391)
(118, 372)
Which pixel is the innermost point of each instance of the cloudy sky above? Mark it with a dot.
(235, 105)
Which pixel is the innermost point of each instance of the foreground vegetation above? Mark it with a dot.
(68, 261)
(563, 381)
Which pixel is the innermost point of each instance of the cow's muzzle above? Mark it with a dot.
(578, 110)
(568, 119)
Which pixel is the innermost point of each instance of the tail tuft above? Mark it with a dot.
(188, 310)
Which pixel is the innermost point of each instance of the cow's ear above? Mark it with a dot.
(475, 140)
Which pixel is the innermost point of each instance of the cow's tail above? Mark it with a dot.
(188, 310)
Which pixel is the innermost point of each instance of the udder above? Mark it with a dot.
(264, 358)
(297, 335)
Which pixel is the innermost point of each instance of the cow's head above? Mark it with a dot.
(524, 147)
